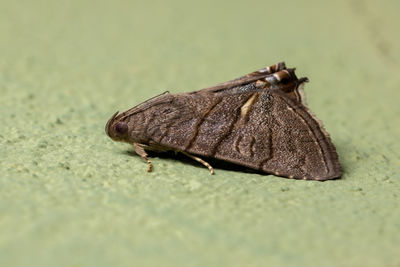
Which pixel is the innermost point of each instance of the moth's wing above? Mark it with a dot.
(264, 130)
(280, 136)
(246, 79)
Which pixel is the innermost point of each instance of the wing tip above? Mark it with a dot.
(334, 173)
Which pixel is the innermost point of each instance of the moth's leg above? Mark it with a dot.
(141, 152)
(199, 160)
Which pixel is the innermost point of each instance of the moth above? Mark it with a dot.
(260, 121)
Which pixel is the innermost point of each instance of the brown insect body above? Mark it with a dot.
(259, 121)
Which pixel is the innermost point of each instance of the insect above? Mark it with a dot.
(260, 121)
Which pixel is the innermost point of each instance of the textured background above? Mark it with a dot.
(69, 196)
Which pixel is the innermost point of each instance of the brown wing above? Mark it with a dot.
(264, 130)
(280, 136)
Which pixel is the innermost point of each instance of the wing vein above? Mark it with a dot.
(200, 122)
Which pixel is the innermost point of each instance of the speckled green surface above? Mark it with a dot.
(69, 196)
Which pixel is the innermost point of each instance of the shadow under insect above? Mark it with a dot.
(215, 163)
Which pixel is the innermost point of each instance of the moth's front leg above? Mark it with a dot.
(142, 153)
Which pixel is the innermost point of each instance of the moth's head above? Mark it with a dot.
(117, 129)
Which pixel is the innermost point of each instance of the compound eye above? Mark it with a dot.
(121, 128)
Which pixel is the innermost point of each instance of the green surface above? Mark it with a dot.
(69, 196)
